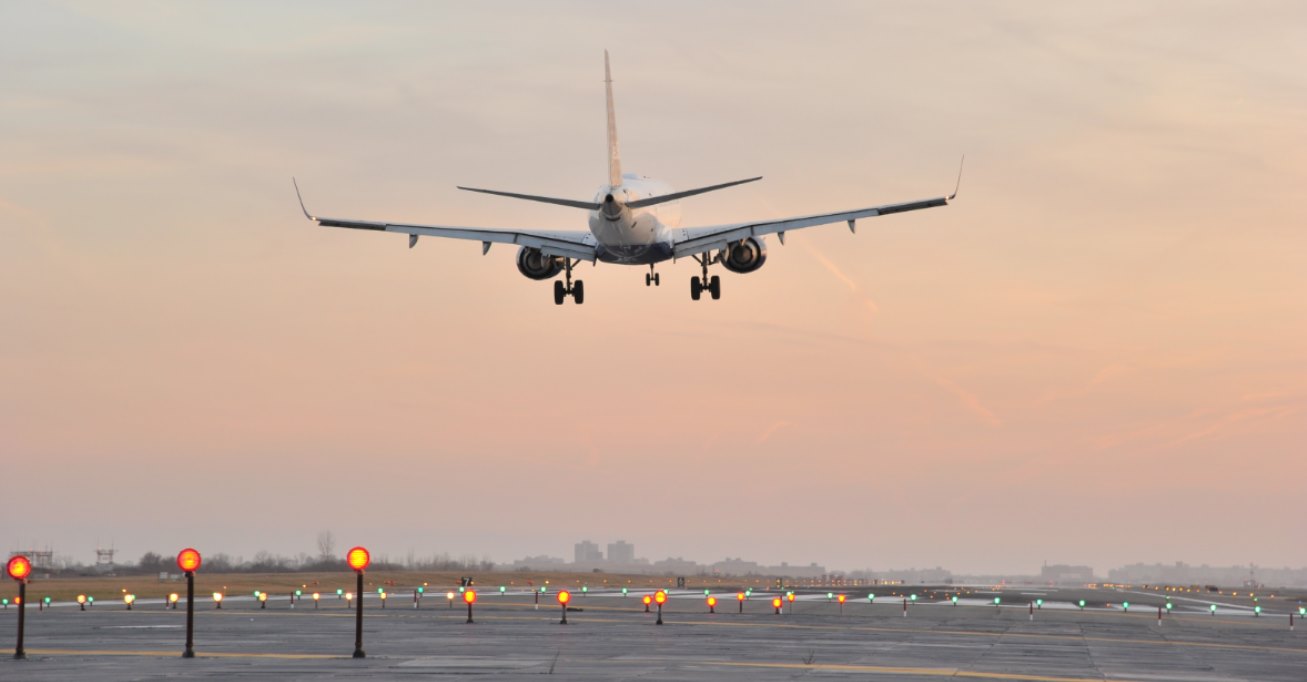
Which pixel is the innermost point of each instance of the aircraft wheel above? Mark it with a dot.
(715, 287)
(559, 293)
(578, 292)
(656, 279)
(648, 279)
(696, 288)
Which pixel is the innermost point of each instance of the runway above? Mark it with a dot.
(610, 637)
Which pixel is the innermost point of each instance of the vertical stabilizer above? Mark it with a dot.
(614, 157)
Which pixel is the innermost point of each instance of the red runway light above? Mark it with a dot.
(660, 597)
(564, 597)
(470, 596)
(19, 567)
(776, 603)
(647, 600)
(712, 601)
(188, 560)
(841, 598)
(740, 596)
(358, 558)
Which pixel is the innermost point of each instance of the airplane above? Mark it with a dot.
(633, 220)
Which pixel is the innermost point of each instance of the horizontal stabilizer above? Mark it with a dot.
(654, 201)
(588, 205)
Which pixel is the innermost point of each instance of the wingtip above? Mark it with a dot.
(296, 183)
(958, 185)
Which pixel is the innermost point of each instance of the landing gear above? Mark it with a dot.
(574, 289)
(651, 279)
(712, 285)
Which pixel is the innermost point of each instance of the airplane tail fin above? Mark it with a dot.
(614, 156)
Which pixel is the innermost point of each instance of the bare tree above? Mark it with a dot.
(326, 544)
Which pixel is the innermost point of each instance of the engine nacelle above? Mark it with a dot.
(536, 265)
(744, 256)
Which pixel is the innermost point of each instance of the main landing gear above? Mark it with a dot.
(712, 285)
(651, 279)
(575, 290)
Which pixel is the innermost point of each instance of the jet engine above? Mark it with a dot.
(536, 265)
(745, 255)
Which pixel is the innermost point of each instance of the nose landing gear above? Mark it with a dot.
(574, 289)
(651, 279)
(712, 285)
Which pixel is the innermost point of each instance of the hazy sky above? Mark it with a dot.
(1097, 355)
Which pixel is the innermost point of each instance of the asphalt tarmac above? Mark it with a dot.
(610, 637)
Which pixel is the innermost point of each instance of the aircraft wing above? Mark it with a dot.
(578, 245)
(695, 240)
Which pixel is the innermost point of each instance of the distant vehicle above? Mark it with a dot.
(633, 220)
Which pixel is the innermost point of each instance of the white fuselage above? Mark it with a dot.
(634, 235)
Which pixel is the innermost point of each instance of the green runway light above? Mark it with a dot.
(830, 596)
(624, 590)
(871, 597)
(997, 600)
(339, 592)
(543, 589)
(1125, 605)
(461, 589)
(586, 589)
(913, 597)
(502, 589)
(954, 599)
(1082, 605)
(1213, 609)
(1039, 603)
(1257, 610)
(5, 602)
(256, 594)
(381, 590)
(47, 601)
(706, 592)
(1169, 605)
(1302, 610)
(748, 592)
(90, 599)
(421, 589)
(299, 593)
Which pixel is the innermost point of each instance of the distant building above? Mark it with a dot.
(621, 552)
(1062, 574)
(729, 566)
(676, 566)
(788, 571)
(537, 563)
(586, 552)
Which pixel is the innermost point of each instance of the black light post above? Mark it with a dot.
(19, 568)
(358, 559)
(189, 561)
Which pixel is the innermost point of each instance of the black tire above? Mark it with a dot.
(648, 279)
(696, 289)
(559, 292)
(657, 282)
(578, 292)
(715, 287)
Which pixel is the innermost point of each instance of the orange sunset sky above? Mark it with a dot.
(1097, 355)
